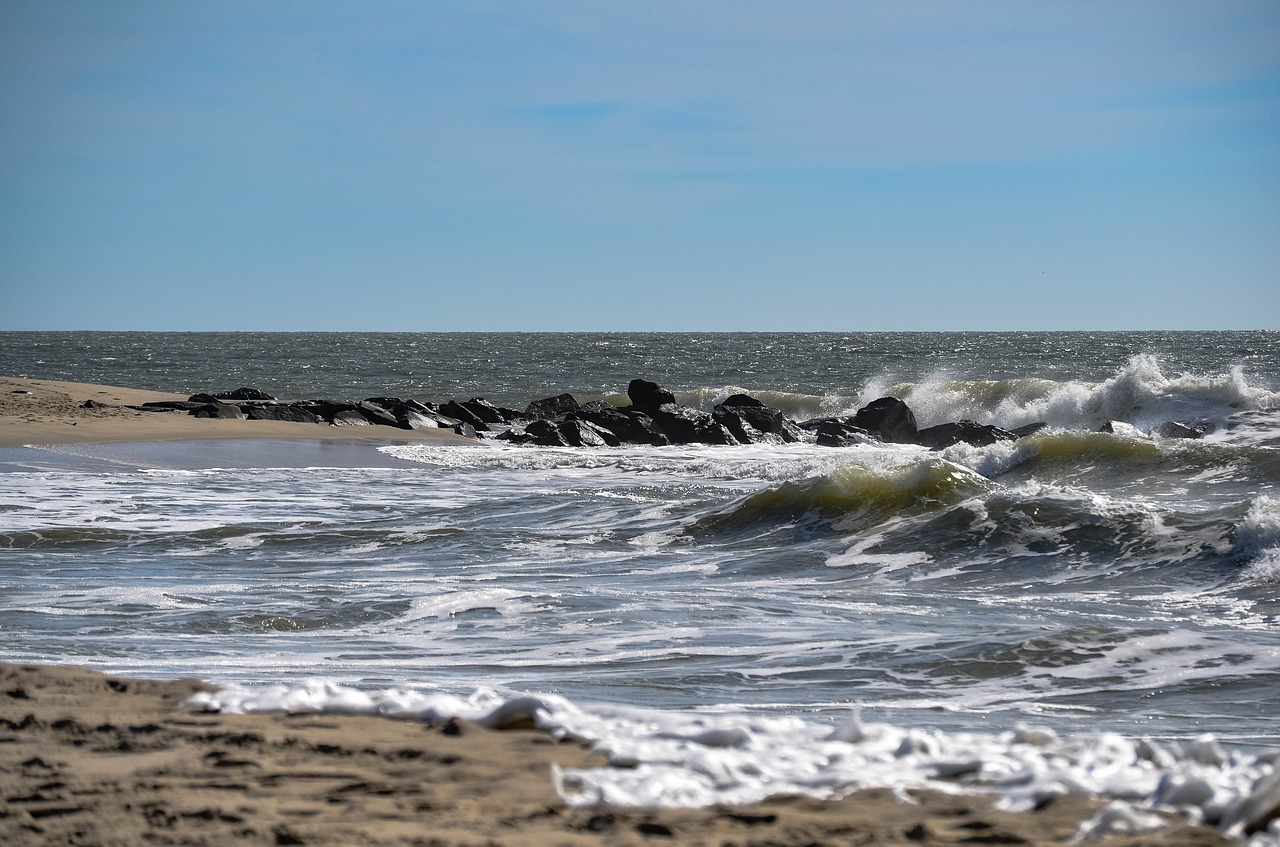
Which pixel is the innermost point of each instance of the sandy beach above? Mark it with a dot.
(92, 759)
(39, 412)
(98, 760)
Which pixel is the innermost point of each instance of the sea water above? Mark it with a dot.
(1077, 611)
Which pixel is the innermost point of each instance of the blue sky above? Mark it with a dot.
(639, 166)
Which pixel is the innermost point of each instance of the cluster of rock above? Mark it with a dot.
(652, 418)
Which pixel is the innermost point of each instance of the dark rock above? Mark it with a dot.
(611, 418)
(172, 405)
(1029, 429)
(459, 412)
(1122, 428)
(970, 432)
(552, 407)
(749, 419)
(244, 394)
(581, 433)
(94, 404)
(412, 419)
(375, 413)
(326, 410)
(888, 419)
(484, 410)
(202, 399)
(684, 425)
(222, 411)
(644, 430)
(1173, 429)
(387, 403)
(348, 417)
(280, 412)
(743, 400)
(647, 396)
(466, 430)
(544, 433)
(833, 432)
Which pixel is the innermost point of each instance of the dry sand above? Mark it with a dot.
(93, 759)
(87, 759)
(41, 411)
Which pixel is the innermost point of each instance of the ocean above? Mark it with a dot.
(1076, 610)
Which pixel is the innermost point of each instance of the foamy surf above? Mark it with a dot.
(671, 759)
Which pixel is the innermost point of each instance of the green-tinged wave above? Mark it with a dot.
(852, 497)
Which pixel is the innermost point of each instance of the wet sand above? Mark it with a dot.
(92, 759)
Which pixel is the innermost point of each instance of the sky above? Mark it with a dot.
(466, 165)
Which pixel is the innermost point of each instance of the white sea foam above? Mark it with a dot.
(1258, 539)
(673, 759)
(1139, 393)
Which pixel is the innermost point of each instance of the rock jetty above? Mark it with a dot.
(652, 417)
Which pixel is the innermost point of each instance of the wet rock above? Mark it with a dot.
(581, 433)
(1029, 429)
(459, 412)
(552, 407)
(685, 425)
(221, 411)
(348, 417)
(968, 432)
(487, 412)
(888, 419)
(245, 394)
(280, 412)
(1121, 428)
(375, 413)
(1173, 429)
(645, 430)
(749, 419)
(648, 396)
(837, 433)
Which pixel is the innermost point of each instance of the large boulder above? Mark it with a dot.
(487, 412)
(279, 412)
(645, 430)
(224, 411)
(540, 432)
(552, 407)
(1029, 429)
(608, 417)
(751, 421)
(648, 396)
(241, 394)
(326, 410)
(376, 413)
(684, 425)
(888, 419)
(1174, 429)
(348, 417)
(581, 433)
(970, 432)
(173, 405)
(458, 411)
(834, 432)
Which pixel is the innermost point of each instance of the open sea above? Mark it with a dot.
(1074, 611)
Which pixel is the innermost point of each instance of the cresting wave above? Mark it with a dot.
(671, 759)
(1139, 393)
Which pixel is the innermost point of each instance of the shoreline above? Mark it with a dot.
(90, 758)
(42, 412)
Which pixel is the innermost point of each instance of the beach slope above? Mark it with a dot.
(87, 758)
